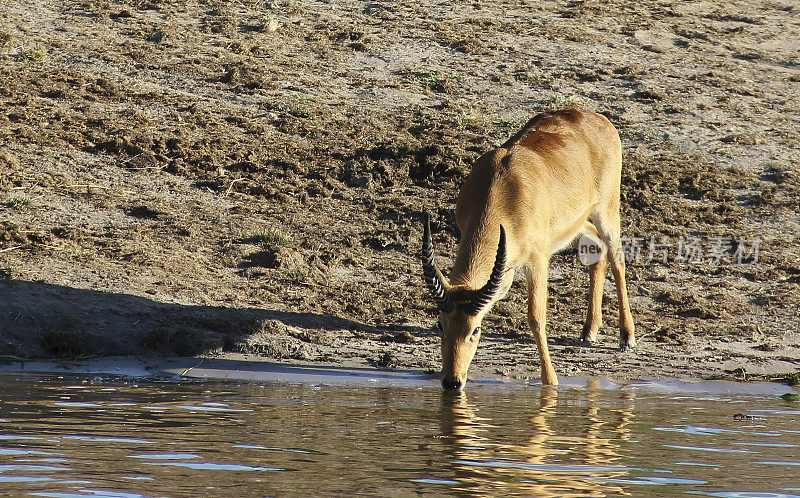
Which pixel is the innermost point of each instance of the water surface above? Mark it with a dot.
(107, 436)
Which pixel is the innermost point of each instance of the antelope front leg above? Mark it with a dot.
(537, 315)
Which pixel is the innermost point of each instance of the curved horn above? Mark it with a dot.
(432, 275)
(487, 292)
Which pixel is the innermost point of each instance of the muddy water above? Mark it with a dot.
(106, 436)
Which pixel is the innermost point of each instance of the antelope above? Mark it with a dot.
(554, 180)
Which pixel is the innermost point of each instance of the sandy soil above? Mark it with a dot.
(224, 177)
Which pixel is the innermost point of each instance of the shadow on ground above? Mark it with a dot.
(40, 320)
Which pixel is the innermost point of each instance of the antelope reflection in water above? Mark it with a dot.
(561, 456)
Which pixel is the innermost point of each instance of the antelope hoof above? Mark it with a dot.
(589, 334)
(627, 345)
(452, 383)
(588, 339)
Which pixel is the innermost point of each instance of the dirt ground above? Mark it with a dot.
(210, 177)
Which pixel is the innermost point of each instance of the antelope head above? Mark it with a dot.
(461, 310)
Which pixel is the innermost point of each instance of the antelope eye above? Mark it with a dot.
(475, 333)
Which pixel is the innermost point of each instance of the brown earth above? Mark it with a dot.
(223, 177)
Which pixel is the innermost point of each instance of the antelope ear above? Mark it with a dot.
(486, 294)
(433, 277)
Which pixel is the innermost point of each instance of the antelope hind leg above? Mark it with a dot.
(609, 228)
(597, 278)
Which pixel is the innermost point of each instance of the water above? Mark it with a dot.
(109, 436)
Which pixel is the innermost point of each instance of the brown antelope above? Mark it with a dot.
(557, 178)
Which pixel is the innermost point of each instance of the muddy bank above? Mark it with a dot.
(216, 178)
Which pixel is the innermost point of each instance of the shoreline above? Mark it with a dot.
(249, 368)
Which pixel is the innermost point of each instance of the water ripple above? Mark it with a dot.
(23, 479)
(88, 492)
(32, 468)
(701, 431)
(430, 480)
(217, 466)
(278, 448)
(99, 439)
(8, 451)
(743, 494)
(647, 480)
(703, 448)
(166, 456)
(542, 467)
(766, 445)
(16, 437)
(203, 408)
